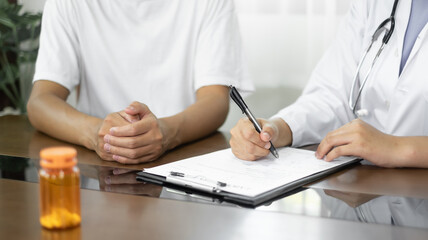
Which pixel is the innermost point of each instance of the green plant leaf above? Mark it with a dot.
(7, 22)
(3, 4)
(18, 34)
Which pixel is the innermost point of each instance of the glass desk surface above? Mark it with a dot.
(392, 210)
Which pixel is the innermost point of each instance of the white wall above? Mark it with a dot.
(283, 39)
(32, 5)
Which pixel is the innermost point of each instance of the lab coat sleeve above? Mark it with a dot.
(323, 105)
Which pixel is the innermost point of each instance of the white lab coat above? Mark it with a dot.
(396, 104)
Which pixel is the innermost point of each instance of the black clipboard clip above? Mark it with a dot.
(197, 182)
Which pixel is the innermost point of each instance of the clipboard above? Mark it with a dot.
(220, 197)
(174, 175)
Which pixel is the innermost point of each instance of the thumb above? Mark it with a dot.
(129, 117)
(267, 133)
(139, 109)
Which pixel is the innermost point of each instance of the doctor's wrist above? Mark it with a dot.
(411, 152)
(283, 135)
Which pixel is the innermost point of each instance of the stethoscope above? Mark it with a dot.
(354, 97)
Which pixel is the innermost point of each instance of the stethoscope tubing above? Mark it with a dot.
(385, 40)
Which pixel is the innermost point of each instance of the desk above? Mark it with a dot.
(18, 138)
(111, 215)
(134, 217)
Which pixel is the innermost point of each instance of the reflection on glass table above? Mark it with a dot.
(399, 211)
(18, 168)
(124, 181)
(392, 210)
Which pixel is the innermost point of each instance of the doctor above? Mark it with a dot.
(373, 106)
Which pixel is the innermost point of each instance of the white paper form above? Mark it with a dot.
(249, 178)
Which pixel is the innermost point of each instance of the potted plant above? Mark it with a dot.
(19, 33)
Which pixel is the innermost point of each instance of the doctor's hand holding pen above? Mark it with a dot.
(248, 144)
(357, 138)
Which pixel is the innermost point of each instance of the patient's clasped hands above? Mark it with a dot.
(131, 136)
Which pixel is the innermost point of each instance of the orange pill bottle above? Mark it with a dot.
(59, 188)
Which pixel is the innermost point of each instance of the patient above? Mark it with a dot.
(151, 75)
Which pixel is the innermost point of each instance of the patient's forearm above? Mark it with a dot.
(200, 119)
(52, 115)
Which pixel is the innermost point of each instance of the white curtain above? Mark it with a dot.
(284, 39)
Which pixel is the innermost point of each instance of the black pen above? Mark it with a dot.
(234, 94)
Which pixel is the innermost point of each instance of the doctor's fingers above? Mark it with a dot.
(269, 131)
(247, 150)
(333, 140)
(343, 150)
(246, 131)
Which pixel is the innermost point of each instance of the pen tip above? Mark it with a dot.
(275, 153)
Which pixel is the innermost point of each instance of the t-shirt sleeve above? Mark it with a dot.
(58, 55)
(219, 55)
(323, 106)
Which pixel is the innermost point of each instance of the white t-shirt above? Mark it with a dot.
(158, 52)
